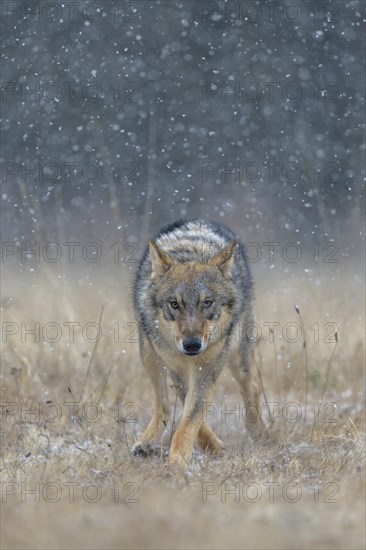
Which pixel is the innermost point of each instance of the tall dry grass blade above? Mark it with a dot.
(107, 376)
(123, 422)
(278, 385)
(92, 355)
(14, 372)
(328, 367)
(262, 386)
(304, 345)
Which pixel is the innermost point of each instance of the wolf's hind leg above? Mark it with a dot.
(239, 366)
(157, 373)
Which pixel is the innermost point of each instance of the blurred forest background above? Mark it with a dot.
(121, 116)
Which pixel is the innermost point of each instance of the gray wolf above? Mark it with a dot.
(193, 286)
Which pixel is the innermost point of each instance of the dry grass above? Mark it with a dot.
(140, 504)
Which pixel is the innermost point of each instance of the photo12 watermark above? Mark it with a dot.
(250, 12)
(130, 252)
(239, 92)
(57, 92)
(320, 412)
(70, 252)
(91, 332)
(71, 412)
(269, 491)
(48, 12)
(70, 172)
(52, 492)
(270, 171)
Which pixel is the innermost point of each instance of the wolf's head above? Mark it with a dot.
(194, 300)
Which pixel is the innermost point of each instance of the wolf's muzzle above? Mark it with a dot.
(192, 346)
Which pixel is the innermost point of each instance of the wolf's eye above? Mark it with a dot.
(174, 304)
(208, 303)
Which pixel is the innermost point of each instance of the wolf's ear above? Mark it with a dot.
(160, 260)
(225, 258)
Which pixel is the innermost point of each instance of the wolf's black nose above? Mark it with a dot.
(192, 345)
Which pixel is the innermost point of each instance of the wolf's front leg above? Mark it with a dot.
(157, 374)
(201, 389)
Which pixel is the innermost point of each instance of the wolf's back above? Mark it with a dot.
(195, 240)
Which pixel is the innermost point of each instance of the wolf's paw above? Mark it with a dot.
(141, 450)
(145, 450)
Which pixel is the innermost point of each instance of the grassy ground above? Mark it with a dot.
(72, 410)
